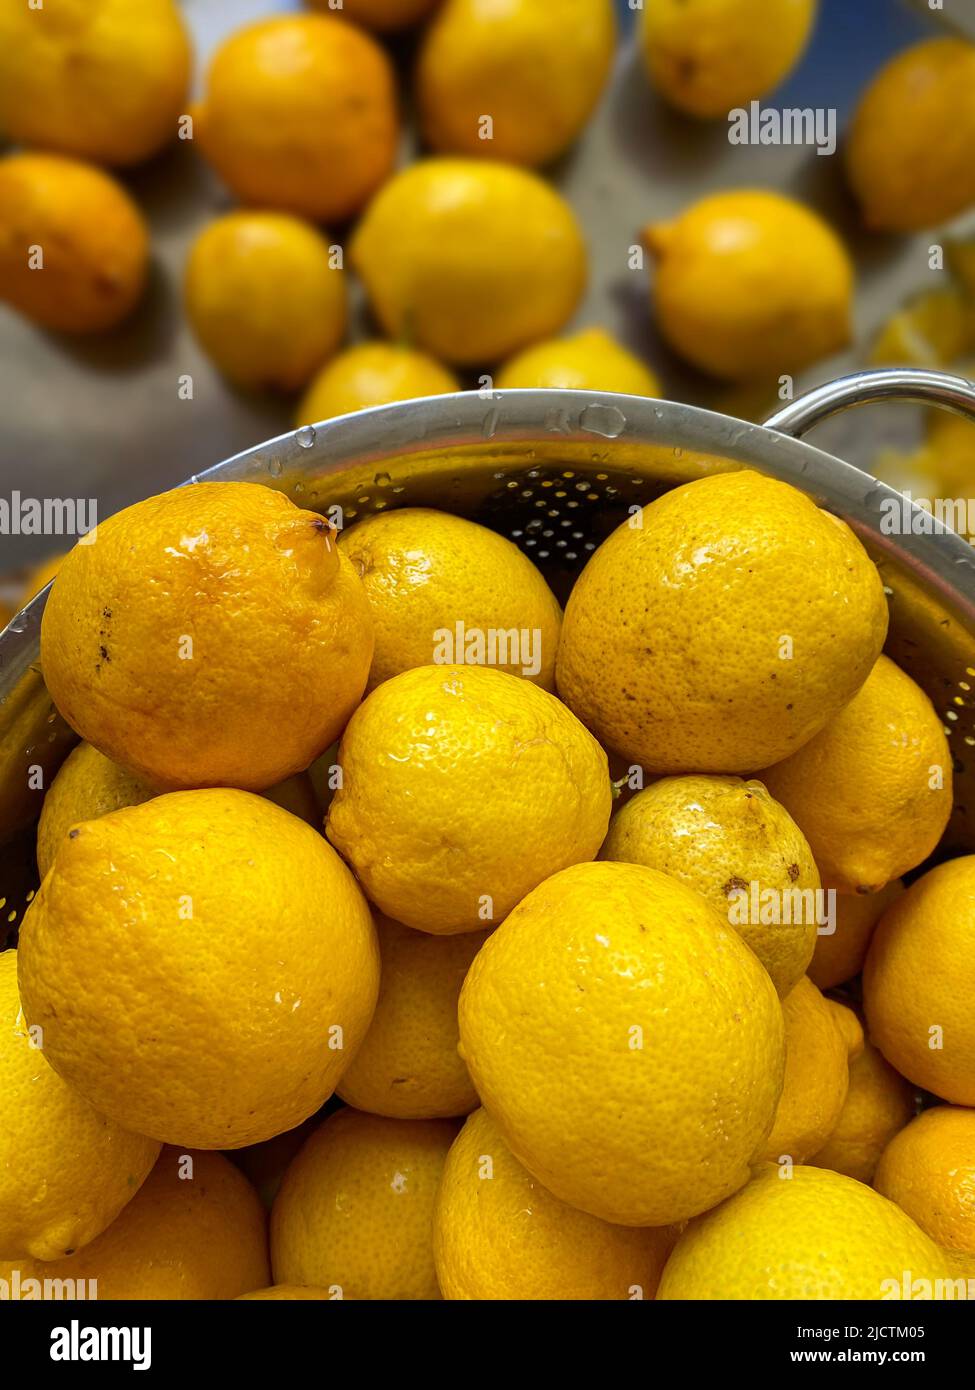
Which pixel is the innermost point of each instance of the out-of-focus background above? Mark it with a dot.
(103, 415)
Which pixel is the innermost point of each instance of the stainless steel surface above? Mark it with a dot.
(556, 471)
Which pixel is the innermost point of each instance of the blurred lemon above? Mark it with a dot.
(299, 113)
(817, 1073)
(750, 283)
(385, 16)
(264, 298)
(372, 374)
(933, 330)
(708, 56)
(105, 80)
(470, 261)
(909, 147)
(590, 360)
(74, 247)
(879, 1102)
(951, 450)
(514, 81)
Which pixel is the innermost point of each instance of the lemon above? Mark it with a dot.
(871, 791)
(438, 583)
(372, 374)
(933, 329)
(264, 298)
(499, 1234)
(918, 982)
(470, 261)
(951, 448)
(101, 79)
(879, 1102)
(627, 1043)
(817, 1073)
(812, 1235)
(287, 1293)
(514, 81)
(462, 788)
(385, 16)
(684, 647)
(839, 955)
(728, 839)
(928, 1169)
(708, 56)
(74, 247)
(203, 967)
(408, 1066)
(65, 1171)
(299, 113)
(194, 1230)
(213, 635)
(588, 361)
(355, 1211)
(90, 785)
(751, 284)
(908, 151)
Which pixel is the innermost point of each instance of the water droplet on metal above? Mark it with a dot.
(605, 420)
(306, 436)
(275, 467)
(489, 425)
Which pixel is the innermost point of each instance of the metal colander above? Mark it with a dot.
(556, 471)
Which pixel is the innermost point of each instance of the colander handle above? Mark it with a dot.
(909, 384)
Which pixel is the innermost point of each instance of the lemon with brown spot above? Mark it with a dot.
(203, 967)
(408, 1066)
(803, 1233)
(514, 81)
(213, 635)
(65, 1171)
(839, 954)
(499, 1234)
(872, 790)
(194, 1230)
(732, 842)
(372, 374)
(266, 298)
(591, 360)
(74, 247)
(879, 1102)
(750, 284)
(928, 1169)
(470, 260)
(683, 648)
(443, 588)
(463, 788)
(627, 1043)
(299, 114)
(355, 1210)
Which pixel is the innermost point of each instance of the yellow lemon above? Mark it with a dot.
(463, 788)
(102, 79)
(588, 361)
(933, 329)
(908, 151)
(514, 81)
(470, 261)
(839, 955)
(385, 16)
(751, 284)
(65, 1171)
(683, 647)
(626, 1041)
(442, 588)
(919, 978)
(817, 1074)
(264, 298)
(194, 1230)
(90, 785)
(408, 1066)
(372, 374)
(928, 1169)
(203, 967)
(355, 1211)
(951, 447)
(286, 1293)
(728, 839)
(709, 56)
(299, 113)
(801, 1233)
(879, 1102)
(872, 790)
(212, 635)
(74, 248)
(499, 1234)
